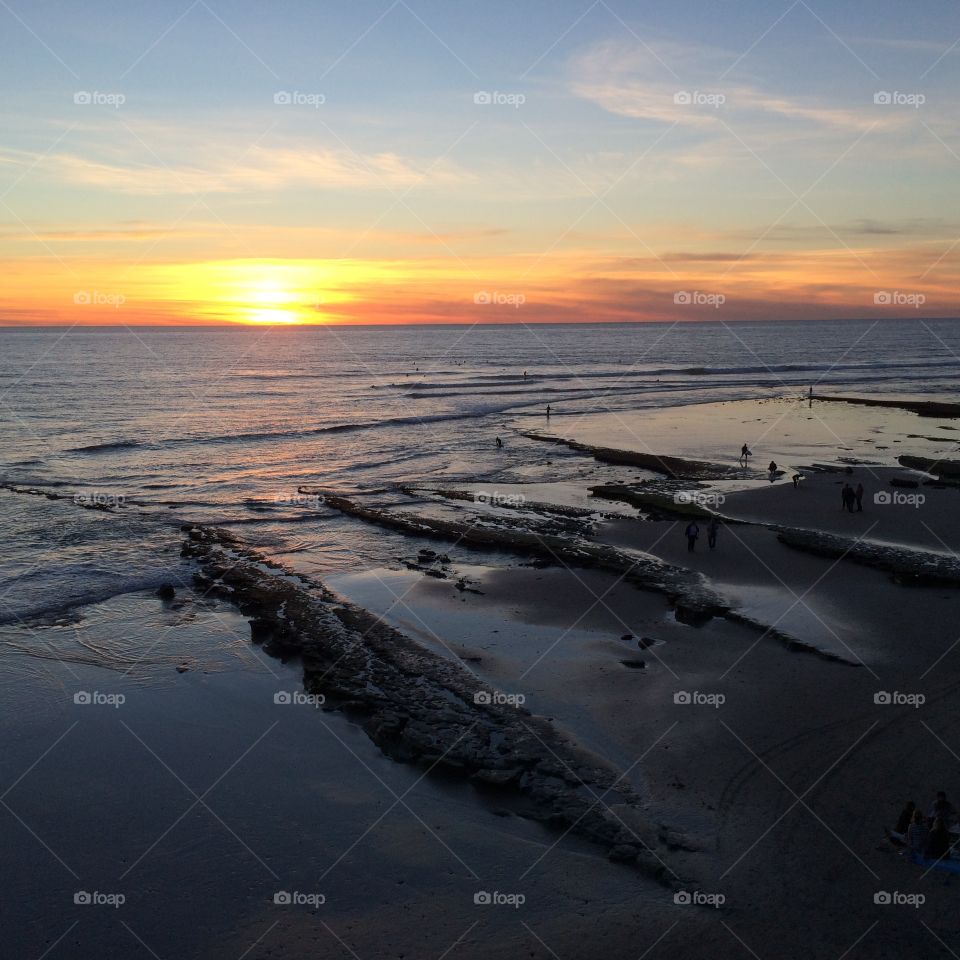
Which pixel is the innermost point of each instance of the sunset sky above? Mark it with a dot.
(226, 161)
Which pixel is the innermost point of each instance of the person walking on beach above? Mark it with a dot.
(548, 411)
(499, 443)
(693, 531)
(745, 454)
(848, 497)
(712, 532)
(858, 493)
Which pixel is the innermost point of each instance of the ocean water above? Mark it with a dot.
(223, 425)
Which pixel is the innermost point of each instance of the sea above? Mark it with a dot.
(228, 426)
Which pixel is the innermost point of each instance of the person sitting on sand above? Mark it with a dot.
(693, 531)
(917, 836)
(938, 842)
(712, 532)
(773, 466)
(858, 493)
(906, 818)
(941, 808)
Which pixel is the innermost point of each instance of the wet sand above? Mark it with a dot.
(757, 734)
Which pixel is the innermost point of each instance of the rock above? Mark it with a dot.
(166, 592)
(627, 637)
(635, 664)
(497, 778)
(623, 853)
(182, 668)
(644, 642)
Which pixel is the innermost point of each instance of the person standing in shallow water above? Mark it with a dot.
(499, 443)
(693, 531)
(712, 532)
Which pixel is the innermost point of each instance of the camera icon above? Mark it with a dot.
(681, 696)
(482, 297)
(882, 298)
(482, 97)
(882, 97)
(482, 697)
(83, 97)
(282, 98)
(682, 898)
(82, 297)
(482, 898)
(882, 898)
(283, 898)
(82, 697)
(881, 498)
(681, 296)
(82, 898)
(682, 98)
(882, 698)
(282, 697)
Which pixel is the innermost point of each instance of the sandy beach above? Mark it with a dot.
(545, 727)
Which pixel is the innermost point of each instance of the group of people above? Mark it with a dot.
(852, 496)
(925, 836)
(693, 533)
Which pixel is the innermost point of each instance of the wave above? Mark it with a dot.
(106, 447)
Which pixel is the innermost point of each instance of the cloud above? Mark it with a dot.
(685, 85)
(259, 168)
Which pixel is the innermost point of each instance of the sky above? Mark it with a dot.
(403, 161)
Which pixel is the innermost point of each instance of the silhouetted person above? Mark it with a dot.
(745, 454)
(941, 808)
(858, 493)
(849, 497)
(797, 477)
(693, 531)
(499, 443)
(773, 466)
(906, 817)
(712, 532)
(548, 411)
(938, 842)
(917, 836)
